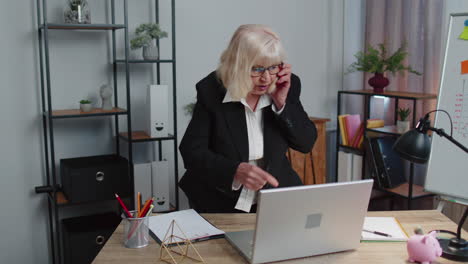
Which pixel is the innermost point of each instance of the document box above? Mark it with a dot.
(95, 178)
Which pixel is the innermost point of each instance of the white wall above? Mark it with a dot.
(353, 41)
(312, 32)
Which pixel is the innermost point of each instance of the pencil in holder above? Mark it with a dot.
(135, 233)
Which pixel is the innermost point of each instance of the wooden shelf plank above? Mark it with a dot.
(145, 61)
(61, 199)
(405, 95)
(391, 130)
(351, 150)
(82, 26)
(402, 190)
(69, 113)
(319, 119)
(142, 136)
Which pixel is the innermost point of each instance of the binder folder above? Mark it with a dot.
(388, 167)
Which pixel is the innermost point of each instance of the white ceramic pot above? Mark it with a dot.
(403, 126)
(86, 107)
(150, 52)
(135, 54)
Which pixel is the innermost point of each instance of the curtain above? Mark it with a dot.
(420, 24)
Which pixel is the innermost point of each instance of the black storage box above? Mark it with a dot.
(384, 164)
(95, 178)
(85, 236)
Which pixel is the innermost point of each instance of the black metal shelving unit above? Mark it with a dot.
(406, 191)
(52, 188)
(141, 136)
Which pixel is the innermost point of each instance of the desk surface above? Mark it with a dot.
(220, 251)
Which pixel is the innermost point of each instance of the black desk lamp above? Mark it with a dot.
(415, 146)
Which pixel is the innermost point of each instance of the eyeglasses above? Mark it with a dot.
(258, 71)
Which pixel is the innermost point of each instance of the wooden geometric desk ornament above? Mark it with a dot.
(183, 246)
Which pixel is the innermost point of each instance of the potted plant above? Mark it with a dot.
(77, 12)
(376, 61)
(403, 124)
(85, 106)
(188, 108)
(145, 33)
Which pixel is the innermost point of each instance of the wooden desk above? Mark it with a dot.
(218, 251)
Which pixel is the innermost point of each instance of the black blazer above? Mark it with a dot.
(216, 142)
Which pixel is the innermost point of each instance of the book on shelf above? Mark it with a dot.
(352, 123)
(359, 137)
(343, 133)
(375, 123)
(351, 130)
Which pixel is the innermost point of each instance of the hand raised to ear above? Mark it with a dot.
(283, 83)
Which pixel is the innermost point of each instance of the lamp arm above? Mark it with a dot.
(442, 133)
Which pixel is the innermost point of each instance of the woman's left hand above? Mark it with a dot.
(283, 83)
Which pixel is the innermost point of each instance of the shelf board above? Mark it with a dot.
(402, 190)
(82, 26)
(171, 209)
(142, 136)
(351, 150)
(145, 61)
(61, 199)
(393, 94)
(70, 113)
(390, 130)
(319, 119)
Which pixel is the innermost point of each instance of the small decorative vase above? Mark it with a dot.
(150, 52)
(77, 12)
(403, 126)
(378, 82)
(86, 107)
(106, 95)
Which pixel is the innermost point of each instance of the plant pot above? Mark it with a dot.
(403, 126)
(378, 82)
(86, 107)
(150, 52)
(135, 54)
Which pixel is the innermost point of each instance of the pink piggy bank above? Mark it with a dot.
(423, 248)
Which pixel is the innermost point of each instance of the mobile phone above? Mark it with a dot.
(280, 66)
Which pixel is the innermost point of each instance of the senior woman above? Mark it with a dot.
(246, 116)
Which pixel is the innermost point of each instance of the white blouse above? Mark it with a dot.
(254, 121)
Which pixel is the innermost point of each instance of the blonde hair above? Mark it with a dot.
(250, 45)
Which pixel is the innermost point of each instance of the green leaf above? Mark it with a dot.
(375, 60)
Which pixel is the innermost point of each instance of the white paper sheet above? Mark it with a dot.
(388, 225)
(192, 224)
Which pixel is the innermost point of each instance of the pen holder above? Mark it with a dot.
(135, 233)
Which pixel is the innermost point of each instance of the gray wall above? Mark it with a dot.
(23, 226)
(311, 30)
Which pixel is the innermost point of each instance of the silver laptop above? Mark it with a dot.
(303, 221)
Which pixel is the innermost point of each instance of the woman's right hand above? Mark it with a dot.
(253, 177)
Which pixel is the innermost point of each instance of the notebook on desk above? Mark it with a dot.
(193, 226)
(303, 221)
(383, 229)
